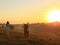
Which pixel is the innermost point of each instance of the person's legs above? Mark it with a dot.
(27, 34)
(24, 34)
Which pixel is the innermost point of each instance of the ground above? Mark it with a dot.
(17, 38)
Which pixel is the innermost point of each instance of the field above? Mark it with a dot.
(39, 35)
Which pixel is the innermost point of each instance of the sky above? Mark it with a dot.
(23, 11)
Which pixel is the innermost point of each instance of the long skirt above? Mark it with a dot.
(7, 31)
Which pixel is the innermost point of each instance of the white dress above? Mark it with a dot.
(7, 29)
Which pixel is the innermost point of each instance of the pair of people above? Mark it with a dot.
(26, 32)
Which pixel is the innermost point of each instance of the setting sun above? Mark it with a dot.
(54, 16)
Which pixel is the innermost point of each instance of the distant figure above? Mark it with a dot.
(7, 28)
(26, 32)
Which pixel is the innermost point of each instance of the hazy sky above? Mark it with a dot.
(22, 11)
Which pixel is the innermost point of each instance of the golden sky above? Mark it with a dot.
(22, 11)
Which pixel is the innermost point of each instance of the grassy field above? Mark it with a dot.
(16, 38)
(36, 37)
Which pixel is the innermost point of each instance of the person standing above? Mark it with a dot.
(7, 28)
(26, 31)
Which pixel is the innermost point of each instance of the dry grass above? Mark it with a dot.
(17, 38)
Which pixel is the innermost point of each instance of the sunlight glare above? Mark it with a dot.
(54, 16)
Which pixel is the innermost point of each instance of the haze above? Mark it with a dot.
(22, 11)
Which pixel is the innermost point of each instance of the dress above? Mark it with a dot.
(7, 29)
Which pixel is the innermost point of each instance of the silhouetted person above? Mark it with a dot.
(26, 31)
(7, 28)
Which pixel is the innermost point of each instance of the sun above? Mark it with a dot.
(54, 16)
